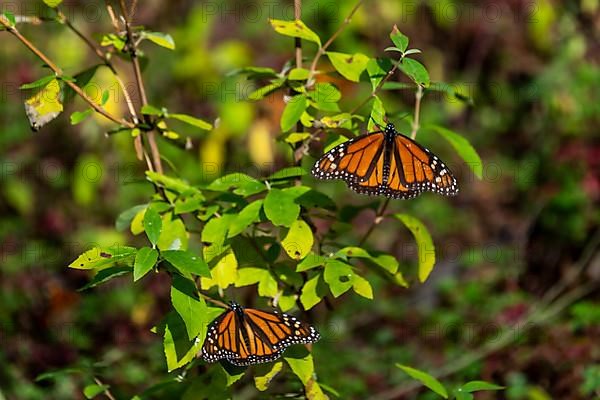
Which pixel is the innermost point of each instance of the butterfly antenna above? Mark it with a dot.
(375, 122)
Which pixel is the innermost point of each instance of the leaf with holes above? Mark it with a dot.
(299, 240)
(339, 276)
(295, 28)
(350, 66)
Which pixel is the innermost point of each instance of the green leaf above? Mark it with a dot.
(265, 90)
(10, 17)
(53, 3)
(288, 173)
(462, 146)
(350, 66)
(186, 261)
(295, 137)
(54, 374)
(377, 69)
(415, 71)
(310, 295)
(78, 116)
(188, 204)
(362, 287)
(176, 185)
(179, 350)
(188, 119)
(399, 40)
(463, 395)
(303, 368)
(98, 258)
(224, 273)
(477, 386)
(162, 39)
(246, 217)
(298, 74)
(152, 225)
(280, 208)
(148, 109)
(377, 114)
(293, 111)
(424, 243)
(215, 230)
(188, 304)
(298, 241)
(173, 236)
(262, 381)
(426, 379)
(325, 97)
(310, 261)
(339, 276)
(82, 79)
(39, 83)
(105, 275)
(145, 259)
(295, 28)
(249, 276)
(93, 390)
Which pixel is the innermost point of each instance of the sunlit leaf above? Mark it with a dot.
(105, 275)
(98, 258)
(162, 39)
(477, 386)
(248, 215)
(288, 173)
(173, 236)
(350, 66)
(224, 273)
(295, 28)
(424, 244)
(93, 390)
(362, 287)
(299, 240)
(188, 119)
(262, 381)
(400, 40)
(310, 296)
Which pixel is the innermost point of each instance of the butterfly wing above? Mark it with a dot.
(353, 161)
(414, 169)
(262, 337)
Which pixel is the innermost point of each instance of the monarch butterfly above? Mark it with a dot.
(386, 163)
(246, 336)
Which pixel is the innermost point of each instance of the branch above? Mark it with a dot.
(377, 88)
(415, 123)
(321, 51)
(298, 41)
(102, 56)
(378, 219)
(140, 84)
(59, 73)
(106, 392)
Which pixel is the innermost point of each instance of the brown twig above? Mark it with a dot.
(321, 51)
(106, 392)
(415, 122)
(376, 90)
(211, 300)
(59, 73)
(376, 221)
(102, 56)
(298, 41)
(140, 85)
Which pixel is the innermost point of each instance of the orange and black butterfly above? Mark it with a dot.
(246, 336)
(386, 163)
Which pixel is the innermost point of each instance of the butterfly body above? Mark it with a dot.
(386, 163)
(246, 336)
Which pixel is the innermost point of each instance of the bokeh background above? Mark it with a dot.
(525, 234)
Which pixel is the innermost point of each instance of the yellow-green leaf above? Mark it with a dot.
(299, 240)
(425, 379)
(424, 243)
(262, 382)
(224, 273)
(462, 146)
(362, 287)
(350, 66)
(98, 258)
(295, 28)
